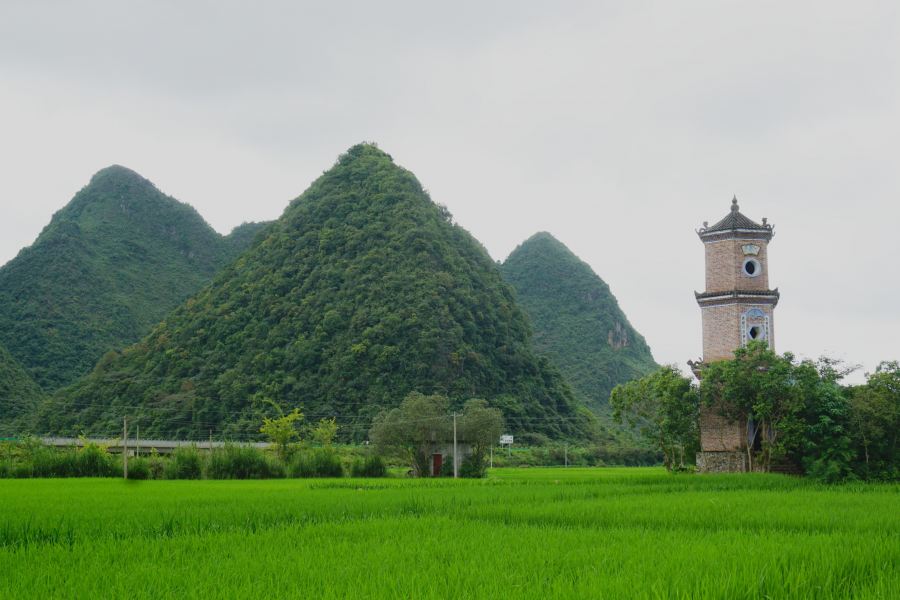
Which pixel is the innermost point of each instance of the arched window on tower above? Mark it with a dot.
(755, 327)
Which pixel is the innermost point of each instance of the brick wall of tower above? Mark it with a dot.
(725, 266)
(722, 329)
(718, 435)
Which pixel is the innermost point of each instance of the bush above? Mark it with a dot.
(242, 462)
(317, 463)
(138, 468)
(185, 463)
(157, 467)
(91, 460)
(472, 469)
(371, 466)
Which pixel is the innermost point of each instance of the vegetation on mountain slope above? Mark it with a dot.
(363, 292)
(17, 390)
(109, 266)
(575, 316)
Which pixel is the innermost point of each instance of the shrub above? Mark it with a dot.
(185, 463)
(472, 469)
(370, 466)
(242, 462)
(92, 461)
(138, 468)
(317, 463)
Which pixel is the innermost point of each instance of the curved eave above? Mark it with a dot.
(737, 297)
(727, 234)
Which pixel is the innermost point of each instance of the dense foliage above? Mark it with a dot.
(18, 392)
(109, 266)
(575, 316)
(363, 292)
(31, 459)
(665, 407)
(799, 411)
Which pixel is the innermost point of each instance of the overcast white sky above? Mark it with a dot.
(619, 127)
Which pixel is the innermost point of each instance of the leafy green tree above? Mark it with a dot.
(827, 448)
(875, 409)
(410, 430)
(281, 430)
(481, 427)
(665, 407)
(323, 433)
(758, 384)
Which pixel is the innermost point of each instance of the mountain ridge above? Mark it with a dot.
(576, 317)
(106, 268)
(363, 291)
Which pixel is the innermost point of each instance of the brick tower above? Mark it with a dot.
(737, 307)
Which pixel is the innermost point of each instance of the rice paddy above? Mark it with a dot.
(521, 533)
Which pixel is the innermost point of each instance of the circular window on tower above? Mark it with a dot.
(756, 333)
(752, 268)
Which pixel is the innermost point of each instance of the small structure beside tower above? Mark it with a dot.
(737, 307)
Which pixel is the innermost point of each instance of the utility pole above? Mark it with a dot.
(492, 456)
(210, 441)
(455, 461)
(125, 447)
(137, 441)
(567, 454)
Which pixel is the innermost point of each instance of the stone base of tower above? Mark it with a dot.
(722, 462)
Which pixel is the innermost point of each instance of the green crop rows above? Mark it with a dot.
(522, 533)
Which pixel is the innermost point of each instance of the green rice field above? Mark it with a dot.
(521, 533)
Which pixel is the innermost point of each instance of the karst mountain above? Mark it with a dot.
(18, 393)
(577, 319)
(110, 265)
(362, 292)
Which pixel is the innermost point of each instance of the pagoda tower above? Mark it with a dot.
(737, 308)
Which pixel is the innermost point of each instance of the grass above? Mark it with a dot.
(597, 533)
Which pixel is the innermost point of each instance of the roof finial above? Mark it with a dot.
(734, 204)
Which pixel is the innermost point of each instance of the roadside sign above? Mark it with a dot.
(506, 439)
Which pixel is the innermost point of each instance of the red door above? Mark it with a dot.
(438, 461)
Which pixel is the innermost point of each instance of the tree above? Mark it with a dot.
(665, 407)
(827, 446)
(875, 419)
(323, 433)
(760, 386)
(281, 430)
(412, 429)
(480, 426)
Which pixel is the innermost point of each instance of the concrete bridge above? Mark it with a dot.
(143, 446)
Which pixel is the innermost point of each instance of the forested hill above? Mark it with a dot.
(363, 291)
(109, 266)
(18, 392)
(574, 315)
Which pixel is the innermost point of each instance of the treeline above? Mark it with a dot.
(32, 459)
(795, 411)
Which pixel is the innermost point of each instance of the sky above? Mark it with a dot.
(618, 127)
